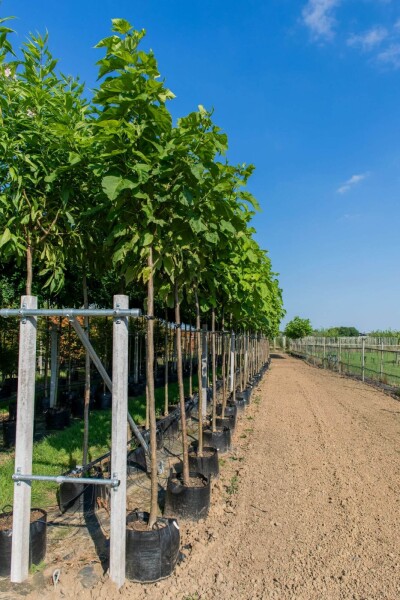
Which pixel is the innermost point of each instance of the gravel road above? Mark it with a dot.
(307, 505)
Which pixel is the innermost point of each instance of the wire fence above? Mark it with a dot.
(367, 358)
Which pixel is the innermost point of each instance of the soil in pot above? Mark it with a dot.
(190, 501)
(219, 439)
(207, 464)
(151, 554)
(37, 539)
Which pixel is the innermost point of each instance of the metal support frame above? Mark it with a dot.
(25, 417)
(106, 378)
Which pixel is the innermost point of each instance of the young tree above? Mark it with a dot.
(298, 328)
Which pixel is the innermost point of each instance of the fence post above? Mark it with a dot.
(324, 355)
(363, 359)
(381, 365)
(340, 355)
(204, 360)
(24, 442)
(118, 443)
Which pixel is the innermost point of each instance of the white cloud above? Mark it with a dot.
(369, 39)
(390, 56)
(354, 180)
(319, 18)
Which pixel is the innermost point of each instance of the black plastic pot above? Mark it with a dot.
(241, 404)
(160, 439)
(80, 497)
(105, 401)
(206, 465)
(245, 395)
(77, 404)
(184, 502)
(220, 439)
(151, 555)
(12, 411)
(136, 460)
(9, 433)
(57, 418)
(229, 422)
(230, 411)
(37, 542)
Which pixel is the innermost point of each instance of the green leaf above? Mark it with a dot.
(6, 237)
(112, 186)
(121, 25)
(148, 239)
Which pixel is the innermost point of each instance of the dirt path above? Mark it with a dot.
(307, 507)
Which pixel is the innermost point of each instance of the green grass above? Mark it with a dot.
(351, 362)
(233, 486)
(61, 451)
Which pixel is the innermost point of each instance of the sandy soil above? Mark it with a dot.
(306, 508)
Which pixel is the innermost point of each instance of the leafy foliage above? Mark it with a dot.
(298, 328)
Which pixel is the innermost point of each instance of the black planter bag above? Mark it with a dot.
(9, 433)
(227, 421)
(206, 465)
(220, 439)
(37, 543)
(151, 555)
(191, 503)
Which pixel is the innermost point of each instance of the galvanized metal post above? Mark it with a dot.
(363, 358)
(118, 443)
(24, 442)
(54, 366)
(204, 357)
(340, 355)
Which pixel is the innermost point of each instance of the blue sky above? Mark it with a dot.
(308, 91)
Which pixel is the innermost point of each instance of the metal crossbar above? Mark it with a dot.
(70, 312)
(113, 482)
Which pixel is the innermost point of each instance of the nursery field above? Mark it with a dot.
(306, 505)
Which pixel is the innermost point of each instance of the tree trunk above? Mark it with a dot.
(199, 375)
(214, 370)
(166, 359)
(150, 390)
(29, 269)
(87, 381)
(190, 362)
(223, 364)
(185, 453)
